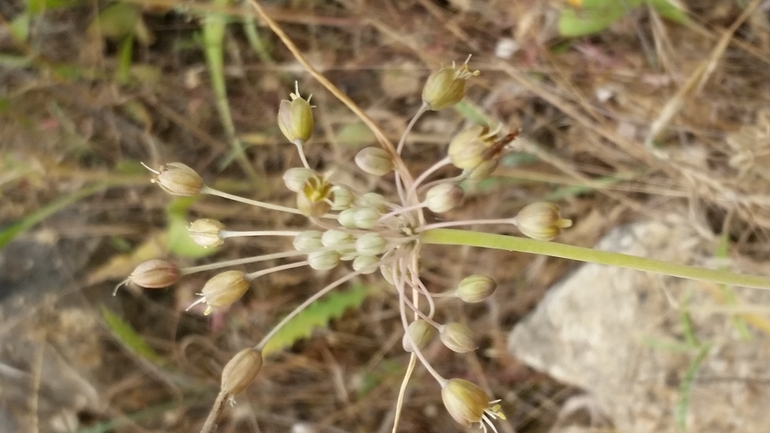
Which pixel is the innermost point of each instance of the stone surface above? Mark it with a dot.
(619, 334)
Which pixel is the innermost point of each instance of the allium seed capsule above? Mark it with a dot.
(483, 170)
(241, 371)
(296, 178)
(374, 161)
(222, 290)
(323, 260)
(371, 244)
(205, 232)
(443, 197)
(308, 240)
(365, 264)
(422, 333)
(475, 288)
(446, 87)
(295, 118)
(458, 337)
(465, 401)
(152, 274)
(541, 221)
(178, 179)
(468, 149)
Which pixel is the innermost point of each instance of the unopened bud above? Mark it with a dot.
(366, 218)
(541, 221)
(295, 118)
(365, 264)
(422, 333)
(308, 240)
(205, 232)
(152, 274)
(374, 200)
(334, 238)
(296, 178)
(342, 198)
(482, 170)
(178, 179)
(371, 244)
(458, 337)
(222, 290)
(374, 161)
(443, 197)
(347, 218)
(446, 87)
(323, 260)
(241, 371)
(475, 288)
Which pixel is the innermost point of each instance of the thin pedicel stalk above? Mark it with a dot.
(554, 249)
(211, 191)
(257, 274)
(435, 226)
(255, 259)
(224, 234)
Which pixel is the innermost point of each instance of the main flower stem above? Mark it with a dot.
(554, 249)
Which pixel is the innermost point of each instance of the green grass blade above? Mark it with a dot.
(685, 388)
(129, 338)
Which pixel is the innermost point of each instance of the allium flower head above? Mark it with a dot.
(468, 404)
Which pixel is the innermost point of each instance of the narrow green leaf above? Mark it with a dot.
(685, 388)
(316, 316)
(667, 9)
(593, 16)
(129, 338)
(38, 6)
(20, 27)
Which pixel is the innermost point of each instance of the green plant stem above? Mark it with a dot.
(553, 249)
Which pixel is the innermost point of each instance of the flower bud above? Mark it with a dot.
(446, 87)
(296, 178)
(443, 197)
(421, 331)
(313, 200)
(241, 371)
(465, 401)
(475, 288)
(468, 149)
(152, 274)
(178, 179)
(295, 118)
(334, 238)
(323, 260)
(374, 200)
(374, 161)
(222, 290)
(205, 232)
(541, 221)
(347, 218)
(308, 240)
(371, 244)
(365, 264)
(458, 337)
(482, 170)
(342, 198)
(366, 218)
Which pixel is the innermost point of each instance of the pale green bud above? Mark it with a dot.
(366, 218)
(371, 244)
(295, 118)
(374, 161)
(475, 288)
(205, 232)
(541, 221)
(308, 240)
(443, 197)
(333, 238)
(482, 170)
(446, 87)
(241, 371)
(323, 260)
(342, 198)
(365, 264)
(296, 178)
(458, 337)
(468, 149)
(422, 333)
(178, 179)
(347, 218)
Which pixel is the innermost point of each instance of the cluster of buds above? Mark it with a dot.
(368, 230)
